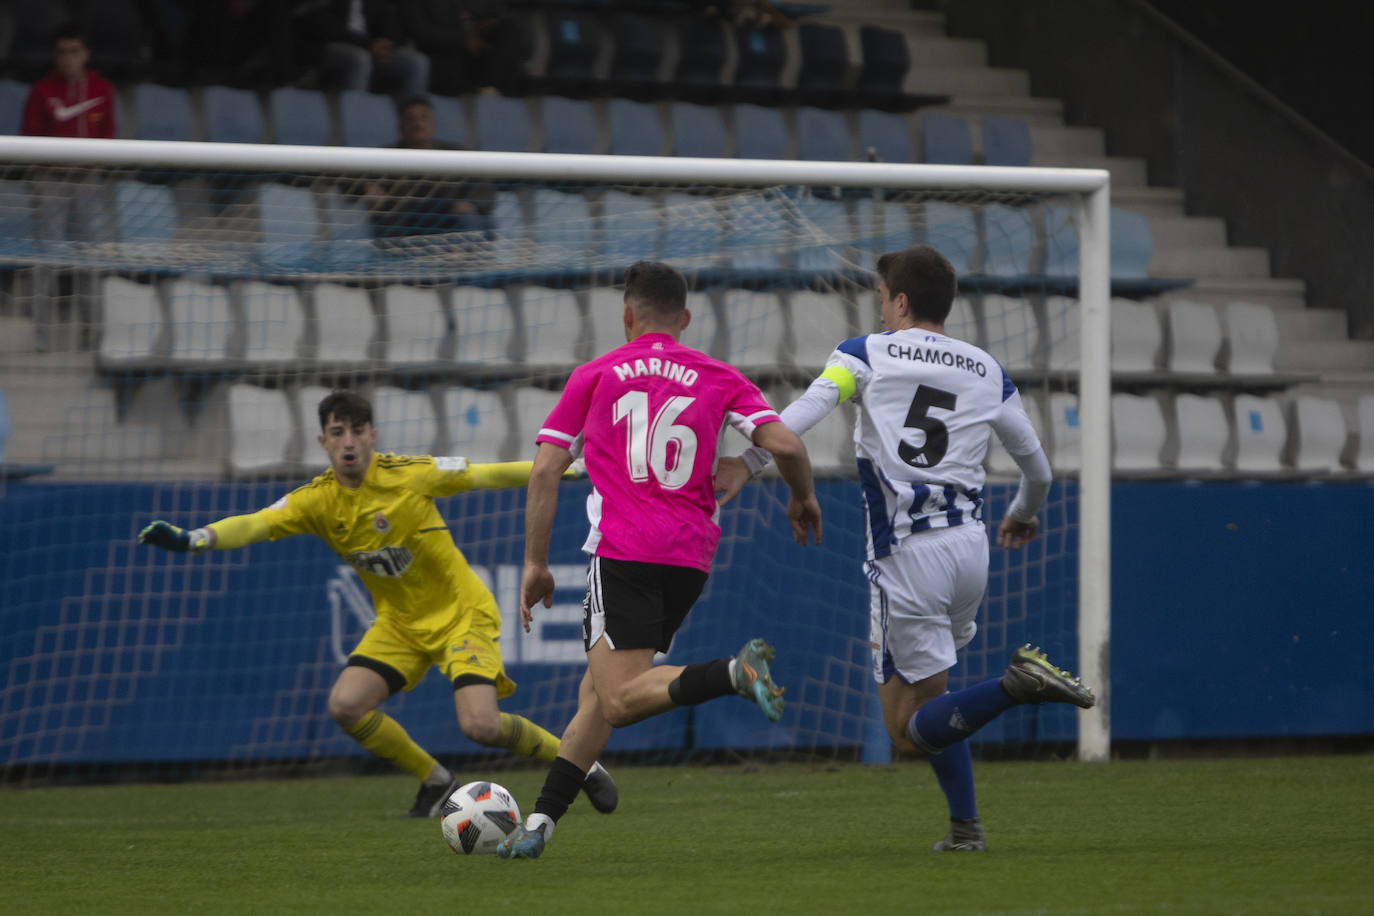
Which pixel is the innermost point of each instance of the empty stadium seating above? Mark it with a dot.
(162, 113)
(569, 126)
(555, 332)
(503, 124)
(262, 430)
(1012, 332)
(13, 94)
(231, 115)
(697, 130)
(1260, 433)
(1065, 433)
(406, 421)
(274, 322)
(532, 407)
(299, 117)
(757, 329)
(1138, 432)
(475, 423)
(634, 129)
(485, 326)
(1202, 432)
(201, 322)
(884, 136)
(629, 228)
(1318, 433)
(819, 321)
(1252, 339)
(417, 326)
(1194, 336)
(345, 323)
(132, 331)
(367, 118)
(1364, 425)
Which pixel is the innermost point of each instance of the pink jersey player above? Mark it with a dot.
(651, 413)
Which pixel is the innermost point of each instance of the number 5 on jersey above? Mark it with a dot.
(647, 439)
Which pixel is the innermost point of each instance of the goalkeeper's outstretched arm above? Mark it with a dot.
(225, 534)
(458, 475)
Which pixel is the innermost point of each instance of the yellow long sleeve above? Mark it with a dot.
(500, 475)
(239, 531)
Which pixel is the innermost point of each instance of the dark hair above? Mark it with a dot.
(657, 287)
(349, 406)
(927, 278)
(409, 100)
(70, 30)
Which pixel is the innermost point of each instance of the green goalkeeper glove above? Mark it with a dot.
(170, 537)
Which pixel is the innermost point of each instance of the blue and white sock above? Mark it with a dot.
(951, 718)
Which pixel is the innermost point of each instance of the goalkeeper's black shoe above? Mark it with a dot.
(963, 836)
(601, 789)
(431, 797)
(1030, 678)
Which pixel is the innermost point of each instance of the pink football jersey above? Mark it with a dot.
(651, 414)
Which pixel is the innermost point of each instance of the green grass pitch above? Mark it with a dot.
(1281, 835)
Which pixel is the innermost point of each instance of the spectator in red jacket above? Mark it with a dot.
(72, 100)
(71, 205)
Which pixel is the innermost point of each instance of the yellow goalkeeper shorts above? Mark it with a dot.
(468, 649)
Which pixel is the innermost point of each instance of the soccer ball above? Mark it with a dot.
(478, 816)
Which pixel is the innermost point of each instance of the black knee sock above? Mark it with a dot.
(701, 682)
(560, 789)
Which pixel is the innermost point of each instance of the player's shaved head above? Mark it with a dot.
(347, 406)
(655, 289)
(925, 276)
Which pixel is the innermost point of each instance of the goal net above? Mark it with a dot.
(166, 349)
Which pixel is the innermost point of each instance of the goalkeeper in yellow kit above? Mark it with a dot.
(377, 512)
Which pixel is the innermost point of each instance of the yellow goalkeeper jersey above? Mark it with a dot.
(390, 531)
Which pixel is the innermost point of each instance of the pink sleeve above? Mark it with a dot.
(748, 409)
(569, 415)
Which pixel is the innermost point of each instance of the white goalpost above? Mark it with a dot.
(759, 240)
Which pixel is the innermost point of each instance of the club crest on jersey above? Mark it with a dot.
(380, 523)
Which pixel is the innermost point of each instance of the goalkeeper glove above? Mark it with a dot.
(170, 537)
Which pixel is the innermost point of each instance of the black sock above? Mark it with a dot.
(560, 789)
(701, 682)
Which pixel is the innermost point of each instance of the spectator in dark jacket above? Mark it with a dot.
(360, 44)
(473, 44)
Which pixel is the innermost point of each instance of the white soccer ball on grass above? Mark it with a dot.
(478, 816)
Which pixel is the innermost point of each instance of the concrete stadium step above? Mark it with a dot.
(945, 52)
(1209, 262)
(1335, 357)
(898, 16)
(1052, 144)
(1037, 112)
(1149, 201)
(1305, 324)
(1279, 293)
(960, 82)
(1127, 171)
(1188, 231)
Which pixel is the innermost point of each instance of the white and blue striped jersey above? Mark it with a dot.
(927, 406)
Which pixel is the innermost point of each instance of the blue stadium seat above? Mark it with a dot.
(569, 126)
(1006, 141)
(145, 212)
(701, 62)
(231, 115)
(953, 231)
(824, 65)
(945, 140)
(884, 66)
(629, 228)
(13, 95)
(823, 238)
(638, 44)
(16, 219)
(759, 236)
(503, 124)
(1009, 236)
(760, 133)
(300, 117)
(884, 226)
(347, 231)
(1132, 245)
(289, 224)
(563, 229)
(4, 424)
(698, 130)
(884, 136)
(1061, 243)
(822, 135)
(761, 56)
(162, 113)
(692, 228)
(449, 125)
(634, 128)
(367, 118)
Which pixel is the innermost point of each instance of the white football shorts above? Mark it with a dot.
(924, 597)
